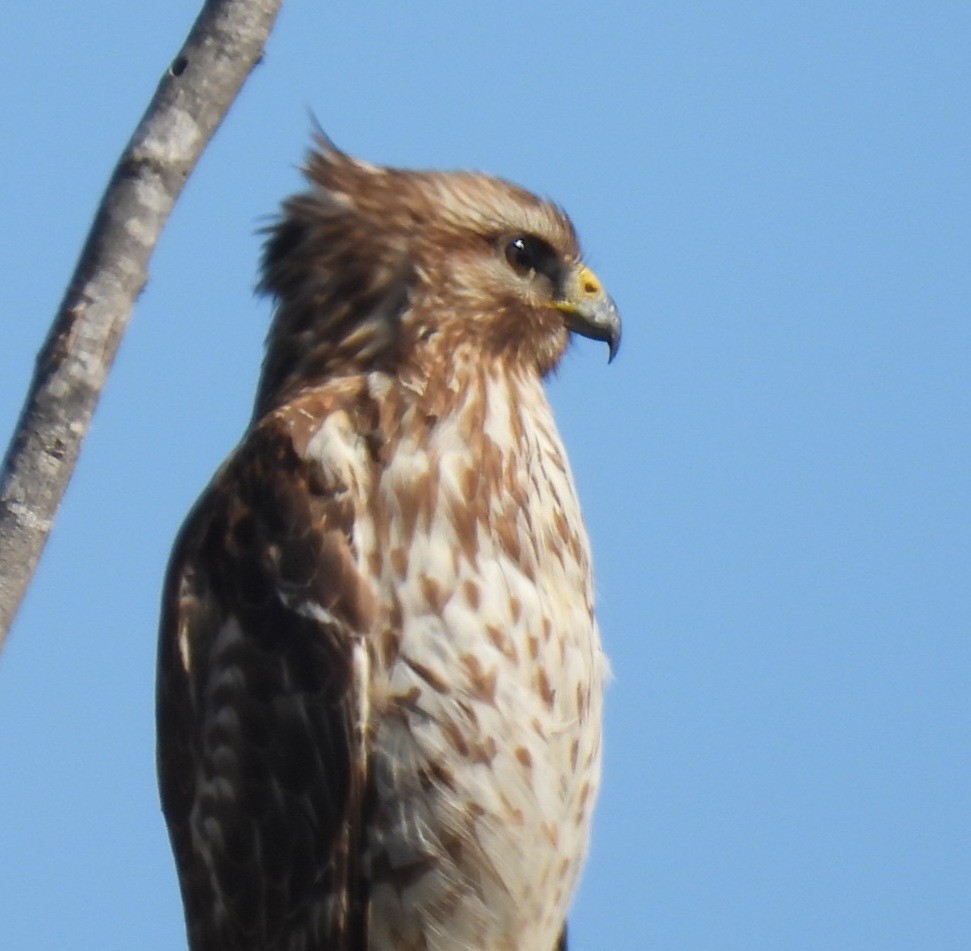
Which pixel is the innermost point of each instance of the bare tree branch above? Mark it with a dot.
(194, 95)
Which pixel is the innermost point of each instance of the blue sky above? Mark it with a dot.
(775, 472)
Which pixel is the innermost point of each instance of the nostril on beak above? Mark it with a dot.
(589, 285)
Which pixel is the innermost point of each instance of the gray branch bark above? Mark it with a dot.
(194, 95)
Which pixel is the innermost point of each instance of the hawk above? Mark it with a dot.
(380, 678)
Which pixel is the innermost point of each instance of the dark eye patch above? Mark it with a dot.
(525, 253)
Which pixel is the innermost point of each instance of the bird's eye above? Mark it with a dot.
(525, 253)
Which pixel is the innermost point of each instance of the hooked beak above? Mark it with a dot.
(590, 311)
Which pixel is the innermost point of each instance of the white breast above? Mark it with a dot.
(487, 711)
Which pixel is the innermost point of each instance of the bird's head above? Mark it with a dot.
(386, 268)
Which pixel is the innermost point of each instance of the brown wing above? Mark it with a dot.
(259, 755)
